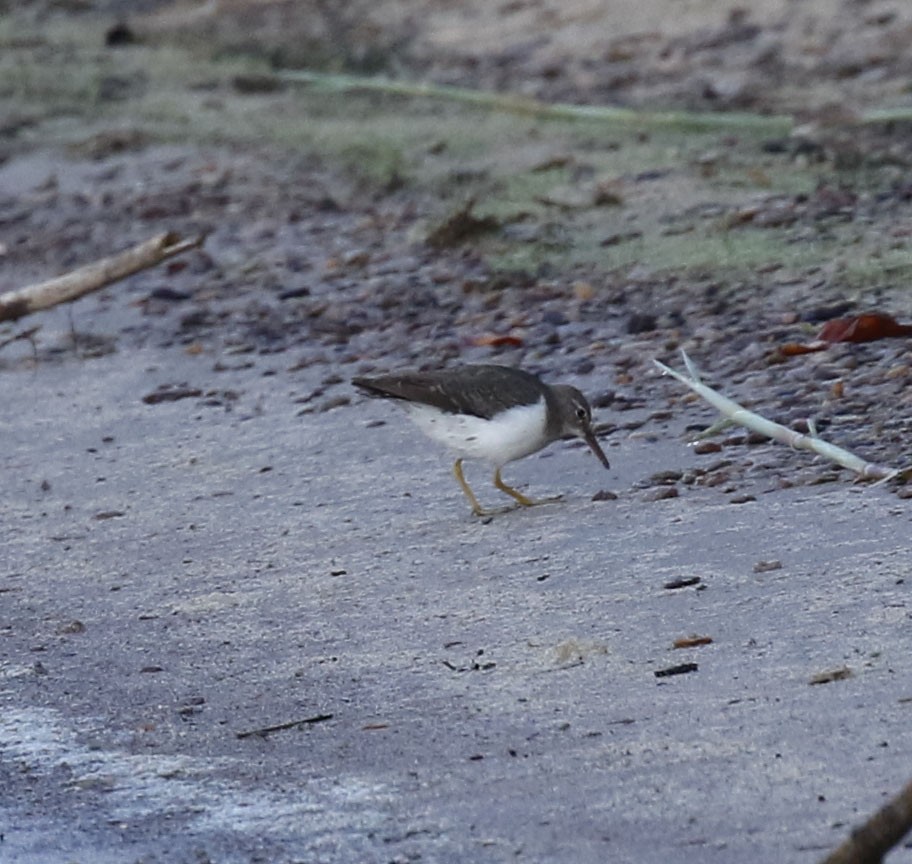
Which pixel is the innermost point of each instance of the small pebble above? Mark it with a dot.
(663, 493)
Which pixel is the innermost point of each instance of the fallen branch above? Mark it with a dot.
(871, 842)
(732, 412)
(85, 280)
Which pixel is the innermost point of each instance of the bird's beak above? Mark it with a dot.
(592, 441)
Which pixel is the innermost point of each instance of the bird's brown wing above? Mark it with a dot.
(481, 391)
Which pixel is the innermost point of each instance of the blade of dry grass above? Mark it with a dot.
(773, 124)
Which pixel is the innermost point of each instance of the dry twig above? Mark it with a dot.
(85, 280)
(732, 412)
(263, 731)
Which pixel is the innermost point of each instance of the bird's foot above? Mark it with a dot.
(516, 495)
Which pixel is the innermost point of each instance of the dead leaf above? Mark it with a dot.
(868, 327)
(692, 641)
(794, 349)
(493, 340)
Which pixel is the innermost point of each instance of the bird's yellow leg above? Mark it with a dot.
(477, 509)
(517, 495)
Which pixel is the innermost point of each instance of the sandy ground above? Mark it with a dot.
(257, 623)
(181, 573)
(271, 549)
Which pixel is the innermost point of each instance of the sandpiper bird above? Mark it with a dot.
(488, 412)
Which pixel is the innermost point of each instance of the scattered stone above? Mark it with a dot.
(666, 477)
(171, 393)
(683, 582)
(663, 493)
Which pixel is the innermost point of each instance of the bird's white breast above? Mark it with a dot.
(511, 435)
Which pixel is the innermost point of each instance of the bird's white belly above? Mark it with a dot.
(513, 434)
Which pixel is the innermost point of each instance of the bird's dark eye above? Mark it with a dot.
(581, 413)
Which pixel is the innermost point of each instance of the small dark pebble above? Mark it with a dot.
(819, 314)
(293, 293)
(171, 294)
(604, 495)
(254, 83)
(641, 322)
(681, 669)
(196, 319)
(171, 393)
(555, 318)
(621, 237)
(108, 514)
(803, 426)
(119, 35)
(704, 447)
(685, 582)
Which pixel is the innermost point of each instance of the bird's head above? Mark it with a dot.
(576, 418)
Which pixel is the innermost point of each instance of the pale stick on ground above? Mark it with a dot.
(732, 412)
(77, 283)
